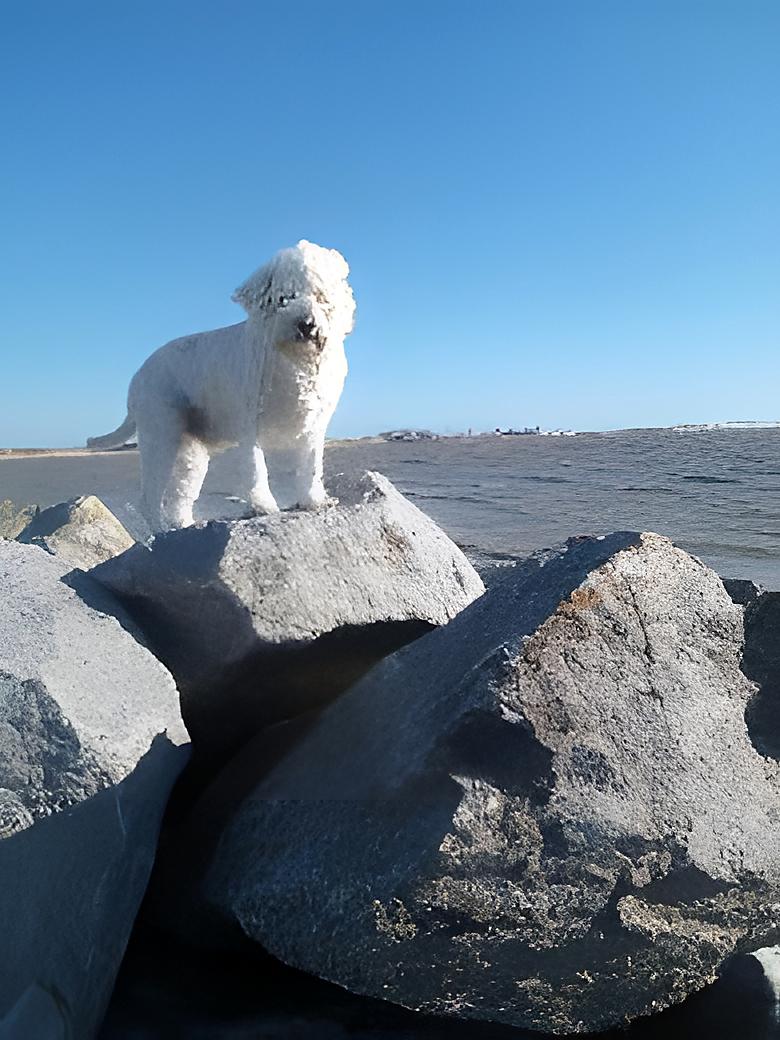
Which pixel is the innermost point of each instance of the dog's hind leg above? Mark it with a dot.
(173, 468)
(189, 471)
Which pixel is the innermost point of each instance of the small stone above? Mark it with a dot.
(13, 815)
(14, 518)
(82, 532)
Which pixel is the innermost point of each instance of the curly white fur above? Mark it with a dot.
(269, 384)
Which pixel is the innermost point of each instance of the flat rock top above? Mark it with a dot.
(373, 557)
(113, 692)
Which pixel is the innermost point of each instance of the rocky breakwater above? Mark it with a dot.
(549, 813)
(90, 728)
(91, 741)
(557, 807)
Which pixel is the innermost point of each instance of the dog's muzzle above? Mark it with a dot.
(307, 331)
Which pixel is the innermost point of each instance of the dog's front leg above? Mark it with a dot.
(311, 488)
(296, 474)
(259, 494)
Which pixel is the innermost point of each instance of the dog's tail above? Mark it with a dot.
(115, 439)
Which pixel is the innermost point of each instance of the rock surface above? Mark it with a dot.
(264, 618)
(769, 959)
(743, 590)
(173, 990)
(82, 532)
(14, 518)
(761, 663)
(37, 1013)
(90, 743)
(548, 813)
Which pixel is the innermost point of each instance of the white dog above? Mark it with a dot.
(269, 384)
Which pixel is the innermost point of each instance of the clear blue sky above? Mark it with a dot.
(563, 213)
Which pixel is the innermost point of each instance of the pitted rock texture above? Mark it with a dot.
(82, 532)
(91, 741)
(548, 813)
(264, 618)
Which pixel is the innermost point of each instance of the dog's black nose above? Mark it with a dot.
(305, 328)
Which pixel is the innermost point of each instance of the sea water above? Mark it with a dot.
(716, 493)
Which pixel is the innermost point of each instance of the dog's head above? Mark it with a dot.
(303, 295)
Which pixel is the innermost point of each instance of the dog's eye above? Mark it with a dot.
(282, 301)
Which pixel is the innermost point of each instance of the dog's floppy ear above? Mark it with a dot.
(251, 293)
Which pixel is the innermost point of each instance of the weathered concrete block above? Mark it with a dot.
(91, 741)
(548, 813)
(262, 619)
(82, 532)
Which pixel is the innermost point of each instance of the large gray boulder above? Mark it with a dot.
(82, 532)
(91, 741)
(262, 619)
(548, 813)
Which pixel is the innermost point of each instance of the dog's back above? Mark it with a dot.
(203, 374)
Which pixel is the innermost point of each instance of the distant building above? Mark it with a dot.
(409, 435)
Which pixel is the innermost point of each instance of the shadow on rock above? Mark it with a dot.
(761, 663)
(71, 887)
(170, 991)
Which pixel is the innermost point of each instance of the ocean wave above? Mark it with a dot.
(652, 490)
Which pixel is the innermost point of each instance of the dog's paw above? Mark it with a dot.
(323, 501)
(261, 505)
(177, 521)
(261, 508)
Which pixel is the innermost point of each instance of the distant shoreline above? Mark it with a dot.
(739, 425)
(91, 453)
(58, 453)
